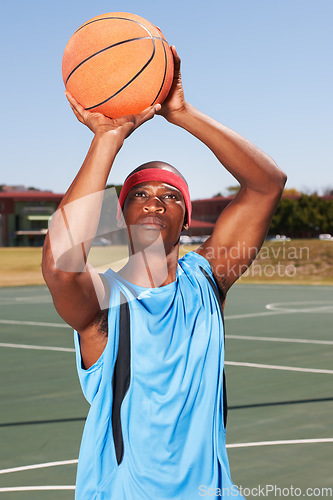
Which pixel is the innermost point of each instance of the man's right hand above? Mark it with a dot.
(101, 124)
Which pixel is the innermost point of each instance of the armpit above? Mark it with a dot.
(222, 286)
(101, 322)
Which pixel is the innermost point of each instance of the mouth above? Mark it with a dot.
(152, 222)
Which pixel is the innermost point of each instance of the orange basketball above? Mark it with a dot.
(118, 64)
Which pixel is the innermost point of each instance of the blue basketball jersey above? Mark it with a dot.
(156, 426)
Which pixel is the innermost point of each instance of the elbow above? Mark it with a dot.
(281, 175)
(65, 266)
(47, 264)
(49, 270)
(58, 281)
(54, 274)
(281, 180)
(278, 180)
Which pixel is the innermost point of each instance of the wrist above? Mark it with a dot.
(111, 139)
(179, 116)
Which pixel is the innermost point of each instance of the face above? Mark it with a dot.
(152, 209)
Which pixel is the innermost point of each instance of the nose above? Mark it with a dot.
(154, 205)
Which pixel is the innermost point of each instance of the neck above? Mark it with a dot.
(152, 267)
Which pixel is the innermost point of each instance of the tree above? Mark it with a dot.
(233, 190)
(306, 216)
(291, 192)
(328, 191)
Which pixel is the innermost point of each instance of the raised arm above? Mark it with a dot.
(77, 290)
(241, 228)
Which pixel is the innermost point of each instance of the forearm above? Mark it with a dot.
(93, 174)
(251, 167)
(74, 225)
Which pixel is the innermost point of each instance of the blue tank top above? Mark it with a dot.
(162, 434)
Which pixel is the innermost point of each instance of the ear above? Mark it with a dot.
(185, 227)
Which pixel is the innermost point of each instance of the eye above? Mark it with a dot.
(139, 194)
(170, 196)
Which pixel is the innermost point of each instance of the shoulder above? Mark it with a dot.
(195, 263)
(194, 260)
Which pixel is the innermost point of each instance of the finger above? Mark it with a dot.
(76, 113)
(78, 116)
(73, 102)
(144, 115)
(176, 57)
(140, 118)
(148, 113)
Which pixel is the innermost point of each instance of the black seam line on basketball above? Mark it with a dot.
(110, 47)
(165, 71)
(126, 84)
(114, 17)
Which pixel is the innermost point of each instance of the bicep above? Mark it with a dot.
(78, 298)
(239, 234)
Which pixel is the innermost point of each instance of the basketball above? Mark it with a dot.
(118, 64)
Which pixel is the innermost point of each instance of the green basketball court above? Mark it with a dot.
(279, 364)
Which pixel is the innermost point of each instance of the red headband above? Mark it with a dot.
(155, 174)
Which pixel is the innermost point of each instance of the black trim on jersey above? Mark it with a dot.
(121, 376)
(217, 295)
(122, 370)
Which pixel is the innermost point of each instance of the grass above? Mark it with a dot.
(293, 262)
(290, 262)
(20, 266)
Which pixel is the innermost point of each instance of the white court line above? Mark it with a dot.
(275, 443)
(277, 367)
(38, 466)
(64, 325)
(234, 316)
(313, 306)
(66, 462)
(278, 339)
(237, 337)
(234, 445)
(274, 313)
(33, 323)
(36, 488)
(34, 298)
(25, 301)
(259, 314)
(274, 310)
(37, 347)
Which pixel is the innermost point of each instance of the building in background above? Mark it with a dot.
(204, 216)
(24, 215)
(209, 209)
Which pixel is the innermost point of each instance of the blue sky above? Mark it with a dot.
(261, 67)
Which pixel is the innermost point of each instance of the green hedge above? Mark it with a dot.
(306, 216)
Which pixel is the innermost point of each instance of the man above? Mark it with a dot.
(149, 339)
